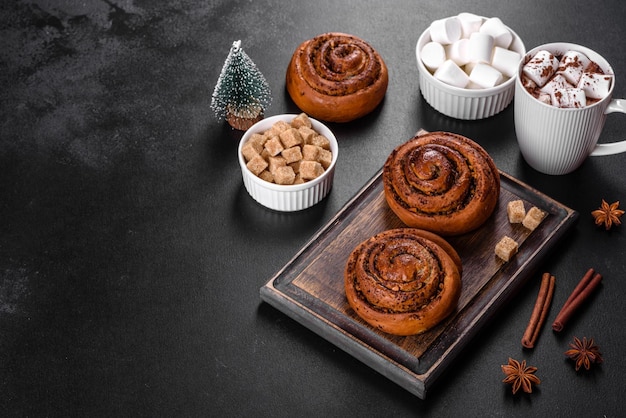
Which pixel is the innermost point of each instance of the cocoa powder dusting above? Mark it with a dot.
(593, 67)
(535, 91)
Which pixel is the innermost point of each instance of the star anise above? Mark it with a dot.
(520, 376)
(584, 353)
(608, 214)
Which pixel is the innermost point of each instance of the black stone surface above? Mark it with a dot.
(131, 256)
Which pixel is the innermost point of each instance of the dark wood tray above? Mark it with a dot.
(310, 289)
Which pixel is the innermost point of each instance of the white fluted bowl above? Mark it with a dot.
(462, 103)
(288, 198)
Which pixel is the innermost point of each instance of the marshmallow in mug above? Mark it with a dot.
(468, 39)
(569, 97)
(541, 67)
(558, 82)
(563, 94)
(569, 82)
(572, 65)
(595, 86)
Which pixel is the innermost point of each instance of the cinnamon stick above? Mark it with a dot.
(581, 292)
(540, 311)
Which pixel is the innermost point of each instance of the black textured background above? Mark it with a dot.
(131, 256)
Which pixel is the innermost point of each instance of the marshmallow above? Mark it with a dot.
(465, 43)
(505, 61)
(570, 98)
(433, 55)
(486, 76)
(445, 31)
(541, 67)
(450, 73)
(545, 98)
(480, 47)
(500, 33)
(528, 83)
(558, 82)
(469, 67)
(473, 86)
(595, 86)
(458, 52)
(572, 66)
(470, 23)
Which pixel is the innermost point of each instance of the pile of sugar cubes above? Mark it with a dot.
(573, 81)
(470, 51)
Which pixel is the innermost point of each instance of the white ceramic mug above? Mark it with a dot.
(557, 140)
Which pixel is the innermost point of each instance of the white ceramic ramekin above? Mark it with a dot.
(461, 103)
(288, 198)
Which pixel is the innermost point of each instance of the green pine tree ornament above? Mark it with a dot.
(241, 94)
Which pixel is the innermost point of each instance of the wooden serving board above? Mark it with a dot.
(310, 288)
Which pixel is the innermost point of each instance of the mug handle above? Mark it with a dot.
(616, 105)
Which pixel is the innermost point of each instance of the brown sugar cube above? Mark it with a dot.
(278, 127)
(265, 154)
(301, 120)
(267, 135)
(310, 169)
(258, 139)
(275, 162)
(310, 152)
(250, 150)
(256, 165)
(325, 157)
(321, 141)
(290, 138)
(274, 146)
(506, 248)
(299, 179)
(533, 218)
(284, 175)
(296, 166)
(292, 154)
(267, 176)
(515, 211)
(307, 134)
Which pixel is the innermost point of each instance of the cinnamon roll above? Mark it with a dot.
(441, 182)
(403, 281)
(336, 77)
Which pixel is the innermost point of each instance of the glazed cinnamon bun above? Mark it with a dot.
(442, 182)
(403, 281)
(336, 77)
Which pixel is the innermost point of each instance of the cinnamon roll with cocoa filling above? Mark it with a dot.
(442, 182)
(336, 77)
(403, 281)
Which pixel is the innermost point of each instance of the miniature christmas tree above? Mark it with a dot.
(241, 94)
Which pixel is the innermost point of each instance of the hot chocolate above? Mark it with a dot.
(570, 80)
